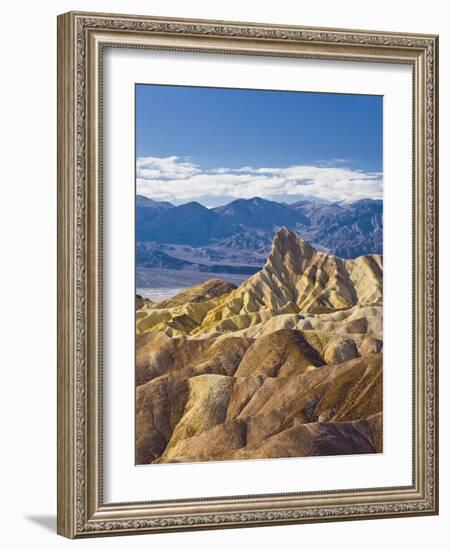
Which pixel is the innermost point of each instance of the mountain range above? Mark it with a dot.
(287, 364)
(236, 238)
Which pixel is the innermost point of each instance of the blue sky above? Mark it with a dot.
(215, 144)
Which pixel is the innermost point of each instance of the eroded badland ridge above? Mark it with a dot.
(287, 364)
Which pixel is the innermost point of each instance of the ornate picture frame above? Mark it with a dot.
(82, 38)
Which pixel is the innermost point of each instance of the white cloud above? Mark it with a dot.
(180, 180)
(166, 167)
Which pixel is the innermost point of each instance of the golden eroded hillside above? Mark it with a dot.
(288, 364)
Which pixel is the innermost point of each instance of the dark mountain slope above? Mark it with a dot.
(190, 223)
(346, 229)
(262, 214)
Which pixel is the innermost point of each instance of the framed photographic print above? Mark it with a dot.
(247, 284)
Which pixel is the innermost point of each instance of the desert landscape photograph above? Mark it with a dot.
(259, 274)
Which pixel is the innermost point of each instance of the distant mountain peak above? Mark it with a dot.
(192, 205)
(146, 202)
(347, 229)
(258, 200)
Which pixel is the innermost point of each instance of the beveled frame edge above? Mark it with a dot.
(80, 508)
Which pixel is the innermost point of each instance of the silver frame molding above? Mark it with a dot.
(81, 39)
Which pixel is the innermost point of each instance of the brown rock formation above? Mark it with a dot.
(217, 417)
(288, 364)
(199, 293)
(296, 279)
